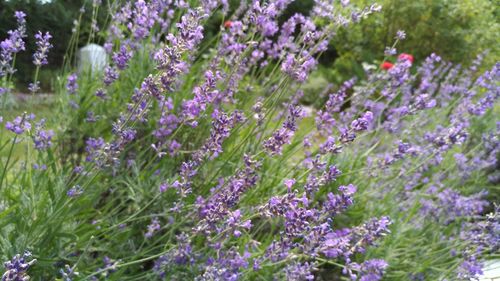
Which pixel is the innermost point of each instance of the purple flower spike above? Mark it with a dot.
(17, 268)
(72, 85)
(40, 56)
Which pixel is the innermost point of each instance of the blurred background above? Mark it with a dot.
(457, 30)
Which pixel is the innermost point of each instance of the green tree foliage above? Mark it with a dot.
(57, 17)
(456, 30)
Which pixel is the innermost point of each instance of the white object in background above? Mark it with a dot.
(491, 271)
(92, 57)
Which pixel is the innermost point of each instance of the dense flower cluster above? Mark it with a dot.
(212, 169)
(12, 45)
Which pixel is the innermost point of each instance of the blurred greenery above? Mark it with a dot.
(56, 17)
(456, 30)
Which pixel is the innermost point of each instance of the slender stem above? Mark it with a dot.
(4, 172)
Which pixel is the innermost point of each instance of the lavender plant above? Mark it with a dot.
(192, 158)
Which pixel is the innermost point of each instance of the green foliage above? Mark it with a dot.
(456, 30)
(111, 216)
(58, 18)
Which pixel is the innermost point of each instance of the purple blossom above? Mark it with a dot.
(346, 242)
(75, 191)
(190, 31)
(42, 138)
(109, 267)
(400, 35)
(221, 128)
(110, 75)
(305, 212)
(226, 195)
(450, 205)
(101, 93)
(282, 136)
(43, 45)
(182, 255)
(330, 146)
(204, 95)
(470, 269)
(299, 271)
(289, 183)
(370, 270)
(20, 124)
(336, 203)
(121, 58)
(95, 150)
(362, 123)
(274, 144)
(34, 87)
(72, 84)
(78, 169)
(390, 51)
(43, 167)
(298, 67)
(17, 267)
(12, 45)
(167, 122)
(143, 19)
(226, 266)
(153, 227)
(68, 273)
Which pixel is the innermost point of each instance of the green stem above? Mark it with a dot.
(4, 172)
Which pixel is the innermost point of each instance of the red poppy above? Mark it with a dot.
(386, 65)
(227, 24)
(404, 56)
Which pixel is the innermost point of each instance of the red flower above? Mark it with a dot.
(405, 56)
(386, 65)
(227, 24)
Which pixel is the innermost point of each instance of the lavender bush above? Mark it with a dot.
(192, 158)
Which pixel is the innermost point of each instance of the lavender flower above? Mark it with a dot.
(217, 240)
(143, 19)
(101, 93)
(400, 35)
(274, 144)
(226, 195)
(152, 228)
(109, 267)
(450, 205)
(362, 123)
(181, 256)
(390, 51)
(110, 75)
(68, 273)
(42, 138)
(40, 56)
(12, 45)
(299, 272)
(221, 126)
(20, 124)
(17, 268)
(34, 87)
(336, 203)
(370, 270)
(122, 58)
(298, 67)
(75, 191)
(72, 84)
